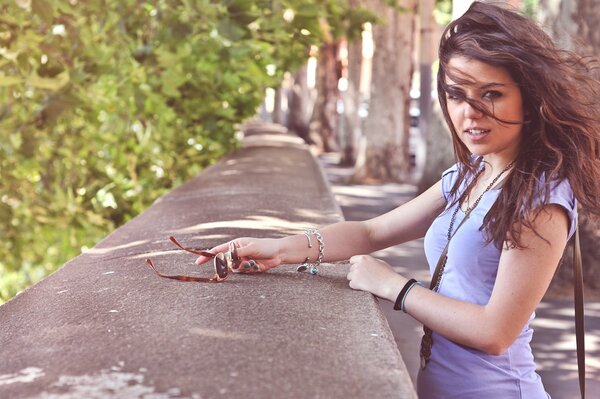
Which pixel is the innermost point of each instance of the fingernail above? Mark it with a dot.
(252, 263)
(247, 265)
(255, 267)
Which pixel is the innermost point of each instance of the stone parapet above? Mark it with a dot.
(104, 325)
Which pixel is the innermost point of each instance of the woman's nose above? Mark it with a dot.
(471, 112)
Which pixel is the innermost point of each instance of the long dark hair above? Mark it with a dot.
(561, 131)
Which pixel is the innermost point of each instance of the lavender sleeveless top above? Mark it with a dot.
(457, 371)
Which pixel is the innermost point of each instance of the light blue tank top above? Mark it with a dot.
(457, 371)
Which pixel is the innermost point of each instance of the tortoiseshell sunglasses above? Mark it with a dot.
(223, 263)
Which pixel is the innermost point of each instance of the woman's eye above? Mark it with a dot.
(454, 96)
(492, 95)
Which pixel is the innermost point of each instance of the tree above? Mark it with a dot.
(324, 120)
(350, 131)
(383, 152)
(573, 23)
(299, 106)
(438, 154)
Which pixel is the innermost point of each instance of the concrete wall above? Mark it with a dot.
(105, 326)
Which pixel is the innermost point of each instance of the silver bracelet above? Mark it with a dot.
(313, 268)
(307, 235)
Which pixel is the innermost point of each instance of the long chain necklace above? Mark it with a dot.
(427, 340)
(469, 208)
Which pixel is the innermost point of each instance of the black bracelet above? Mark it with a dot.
(398, 303)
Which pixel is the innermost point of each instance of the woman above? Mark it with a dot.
(524, 122)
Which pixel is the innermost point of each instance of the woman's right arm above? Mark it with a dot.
(346, 239)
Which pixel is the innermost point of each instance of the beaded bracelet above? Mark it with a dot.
(313, 268)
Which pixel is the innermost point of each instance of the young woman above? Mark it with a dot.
(524, 119)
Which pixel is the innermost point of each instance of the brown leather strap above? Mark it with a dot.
(579, 317)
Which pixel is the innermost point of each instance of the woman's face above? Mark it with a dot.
(493, 88)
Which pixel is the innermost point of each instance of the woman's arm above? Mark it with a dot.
(523, 277)
(345, 239)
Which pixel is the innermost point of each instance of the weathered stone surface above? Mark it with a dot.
(105, 325)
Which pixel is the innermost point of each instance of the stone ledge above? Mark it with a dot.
(105, 326)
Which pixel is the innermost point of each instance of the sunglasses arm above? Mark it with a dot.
(182, 278)
(203, 253)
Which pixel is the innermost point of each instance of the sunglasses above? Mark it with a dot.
(222, 262)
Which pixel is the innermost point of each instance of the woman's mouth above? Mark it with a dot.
(476, 134)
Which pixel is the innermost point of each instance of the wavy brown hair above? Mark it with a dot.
(561, 130)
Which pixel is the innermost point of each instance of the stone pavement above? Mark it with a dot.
(554, 339)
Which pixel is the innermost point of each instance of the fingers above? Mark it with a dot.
(356, 259)
(202, 259)
(215, 250)
(354, 263)
(249, 255)
(250, 266)
(246, 251)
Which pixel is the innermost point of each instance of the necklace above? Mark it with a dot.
(469, 208)
(427, 340)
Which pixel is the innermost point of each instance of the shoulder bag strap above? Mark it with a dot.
(579, 318)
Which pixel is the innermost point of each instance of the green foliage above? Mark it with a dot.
(443, 12)
(106, 105)
(530, 7)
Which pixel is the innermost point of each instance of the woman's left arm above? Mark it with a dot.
(523, 277)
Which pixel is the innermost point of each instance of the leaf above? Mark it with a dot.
(231, 31)
(43, 9)
(166, 59)
(53, 84)
(10, 81)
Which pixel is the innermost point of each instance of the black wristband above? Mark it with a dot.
(398, 303)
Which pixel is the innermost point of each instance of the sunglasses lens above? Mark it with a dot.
(234, 257)
(221, 266)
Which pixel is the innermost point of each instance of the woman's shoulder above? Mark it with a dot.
(452, 170)
(559, 192)
(449, 177)
(455, 172)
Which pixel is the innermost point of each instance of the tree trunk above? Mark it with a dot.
(574, 25)
(439, 150)
(299, 104)
(351, 131)
(384, 152)
(324, 121)
(427, 46)
(277, 116)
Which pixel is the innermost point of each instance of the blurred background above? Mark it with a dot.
(107, 105)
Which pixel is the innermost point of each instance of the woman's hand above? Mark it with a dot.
(257, 254)
(375, 276)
